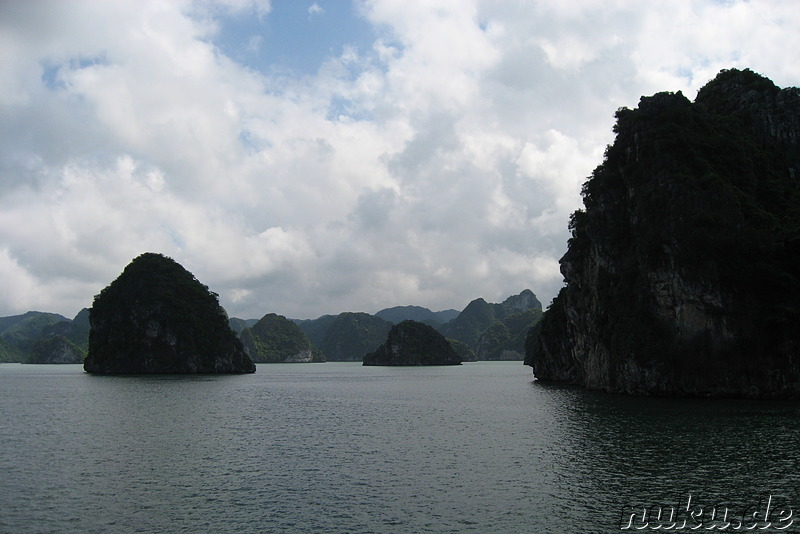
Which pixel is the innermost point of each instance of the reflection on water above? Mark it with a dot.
(344, 448)
(648, 452)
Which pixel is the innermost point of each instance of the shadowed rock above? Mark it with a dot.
(683, 271)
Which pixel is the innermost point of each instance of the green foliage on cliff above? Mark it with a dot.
(413, 343)
(156, 317)
(276, 339)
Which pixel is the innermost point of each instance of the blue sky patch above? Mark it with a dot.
(295, 37)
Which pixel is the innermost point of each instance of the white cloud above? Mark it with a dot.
(315, 10)
(439, 166)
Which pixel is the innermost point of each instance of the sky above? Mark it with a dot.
(312, 157)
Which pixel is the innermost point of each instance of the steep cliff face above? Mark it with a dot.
(683, 271)
(156, 317)
(413, 343)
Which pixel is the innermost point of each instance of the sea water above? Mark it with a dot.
(341, 448)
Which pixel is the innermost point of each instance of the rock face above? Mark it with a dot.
(413, 343)
(156, 317)
(683, 272)
(276, 339)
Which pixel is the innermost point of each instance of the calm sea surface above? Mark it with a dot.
(337, 447)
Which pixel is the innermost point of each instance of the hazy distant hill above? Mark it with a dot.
(19, 333)
(75, 331)
(316, 329)
(347, 336)
(505, 339)
(495, 331)
(398, 314)
(276, 339)
(237, 325)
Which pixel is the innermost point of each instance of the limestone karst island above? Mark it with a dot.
(156, 317)
(683, 270)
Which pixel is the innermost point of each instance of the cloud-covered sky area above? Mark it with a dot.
(312, 157)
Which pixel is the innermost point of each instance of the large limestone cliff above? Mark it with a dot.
(683, 271)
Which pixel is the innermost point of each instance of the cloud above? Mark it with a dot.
(314, 10)
(437, 166)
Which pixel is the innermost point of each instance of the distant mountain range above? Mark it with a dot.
(398, 314)
(484, 331)
(481, 331)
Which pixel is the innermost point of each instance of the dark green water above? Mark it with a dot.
(336, 447)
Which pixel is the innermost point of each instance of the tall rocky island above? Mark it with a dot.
(683, 271)
(413, 343)
(156, 317)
